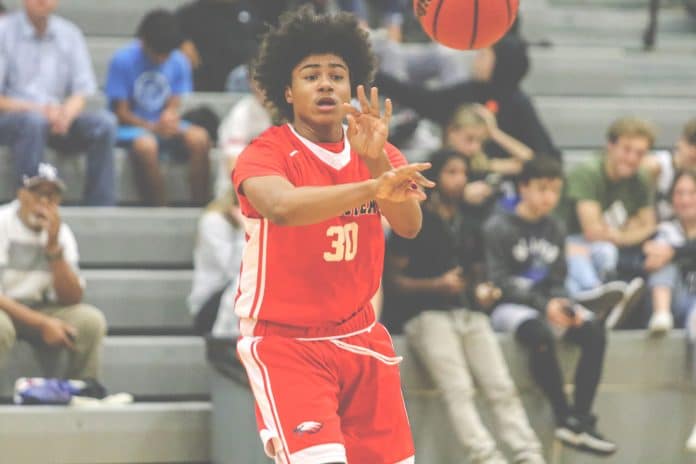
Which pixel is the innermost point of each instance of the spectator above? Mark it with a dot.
(145, 83)
(672, 259)
(217, 260)
(609, 215)
(245, 121)
(220, 35)
(663, 166)
(525, 259)
(467, 132)
(498, 72)
(430, 276)
(45, 77)
(672, 262)
(40, 286)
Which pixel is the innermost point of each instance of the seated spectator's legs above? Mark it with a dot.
(96, 132)
(665, 287)
(591, 338)
(589, 264)
(8, 336)
(197, 144)
(447, 364)
(491, 374)
(534, 333)
(144, 151)
(26, 134)
(84, 360)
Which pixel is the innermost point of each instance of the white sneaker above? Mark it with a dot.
(661, 322)
(691, 442)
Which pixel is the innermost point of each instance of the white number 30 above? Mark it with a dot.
(345, 243)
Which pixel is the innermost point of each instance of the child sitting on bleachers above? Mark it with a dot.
(145, 83)
(217, 260)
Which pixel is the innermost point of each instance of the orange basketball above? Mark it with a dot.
(466, 24)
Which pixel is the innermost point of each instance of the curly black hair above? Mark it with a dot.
(302, 33)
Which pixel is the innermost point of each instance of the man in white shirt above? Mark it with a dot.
(40, 286)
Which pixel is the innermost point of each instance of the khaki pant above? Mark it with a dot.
(83, 362)
(461, 352)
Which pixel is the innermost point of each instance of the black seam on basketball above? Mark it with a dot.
(435, 16)
(509, 12)
(474, 28)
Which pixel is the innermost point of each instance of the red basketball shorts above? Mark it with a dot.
(326, 401)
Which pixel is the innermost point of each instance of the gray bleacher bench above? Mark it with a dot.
(148, 367)
(134, 434)
(72, 169)
(134, 237)
(141, 301)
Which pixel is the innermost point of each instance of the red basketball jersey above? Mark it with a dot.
(315, 275)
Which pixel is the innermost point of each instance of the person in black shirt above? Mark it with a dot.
(221, 35)
(433, 286)
(498, 72)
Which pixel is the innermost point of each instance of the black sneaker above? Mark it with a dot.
(569, 431)
(592, 441)
(631, 300)
(603, 299)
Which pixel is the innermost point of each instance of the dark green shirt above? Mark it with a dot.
(619, 200)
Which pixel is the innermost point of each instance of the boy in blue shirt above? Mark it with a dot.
(145, 83)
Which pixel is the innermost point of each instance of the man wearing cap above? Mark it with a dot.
(40, 286)
(45, 76)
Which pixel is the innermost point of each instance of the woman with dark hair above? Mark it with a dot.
(497, 73)
(312, 192)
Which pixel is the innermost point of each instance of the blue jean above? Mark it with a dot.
(683, 300)
(589, 271)
(27, 134)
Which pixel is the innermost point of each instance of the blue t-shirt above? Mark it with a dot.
(147, 86)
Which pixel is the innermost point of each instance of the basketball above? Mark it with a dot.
(466, 24)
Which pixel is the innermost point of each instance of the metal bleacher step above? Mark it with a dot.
(133, 434)
(556, 70)
(141, 301)
(149, 367)
(72, 169)
(134, 237)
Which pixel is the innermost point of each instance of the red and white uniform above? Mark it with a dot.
(323, 372)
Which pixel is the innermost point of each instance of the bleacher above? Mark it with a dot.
(137, 262)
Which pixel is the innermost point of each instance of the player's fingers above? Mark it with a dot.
(414, 167)
(374, 101)
(350, 109)
(352, 129)
(424, 181)
(362, 98)
(387, 111)
(417, 193)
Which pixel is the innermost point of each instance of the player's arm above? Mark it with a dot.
(405, 218)
(276, 199)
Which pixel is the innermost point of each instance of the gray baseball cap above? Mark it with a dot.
(45, 173)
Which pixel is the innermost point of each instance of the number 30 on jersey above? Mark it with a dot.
(344, 246)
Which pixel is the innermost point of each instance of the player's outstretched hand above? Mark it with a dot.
(368, 128)
(402, 183)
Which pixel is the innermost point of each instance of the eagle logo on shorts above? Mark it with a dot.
(308, 427)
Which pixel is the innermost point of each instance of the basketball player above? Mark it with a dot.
(323, 372)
